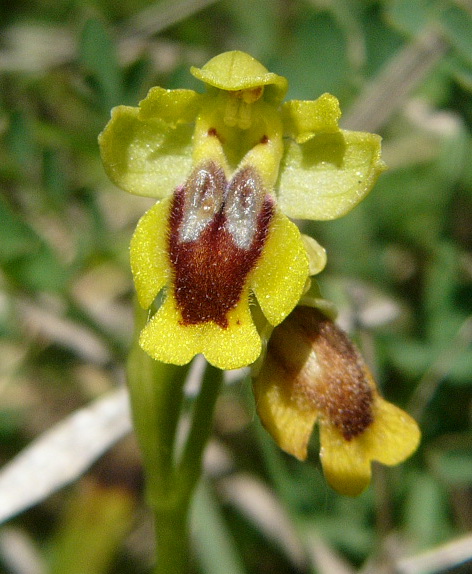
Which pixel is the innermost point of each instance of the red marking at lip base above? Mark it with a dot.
(212, 132)
(209, 273)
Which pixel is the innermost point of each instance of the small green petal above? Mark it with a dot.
(147, 157)
(235, 70)
(328, 175)
(304, 119)
(316, 254)
(148, 253)
(171, 106)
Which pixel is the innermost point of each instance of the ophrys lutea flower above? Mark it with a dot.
(229, 167)
(313, 373)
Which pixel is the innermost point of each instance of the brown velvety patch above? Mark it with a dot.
(210, 270)
(328, 372)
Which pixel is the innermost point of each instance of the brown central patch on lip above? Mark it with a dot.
(209, 272)
(344, 394)
(337, 384)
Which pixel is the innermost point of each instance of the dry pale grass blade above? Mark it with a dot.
(26, 47)
(260, 505)
(439, 559)
(63, 453)
(389, 90)
(325, 559)
(46, 322)
(18, 552)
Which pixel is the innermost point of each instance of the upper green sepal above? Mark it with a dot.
(235, 70)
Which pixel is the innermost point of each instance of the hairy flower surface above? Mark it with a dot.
(228, 167)
(312, 372)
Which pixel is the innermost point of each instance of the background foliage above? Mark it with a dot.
(400, 270)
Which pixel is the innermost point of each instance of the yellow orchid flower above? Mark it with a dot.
(313, 373)
(229, 167)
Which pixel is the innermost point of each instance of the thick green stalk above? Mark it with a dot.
(172, 539)
(156, 391)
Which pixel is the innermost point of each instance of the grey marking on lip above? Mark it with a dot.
(243, 205)
(208, 194)
(204, 195)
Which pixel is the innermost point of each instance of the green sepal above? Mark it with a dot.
(328, 175)
(145, 157)
(305, 119)
(235, 70)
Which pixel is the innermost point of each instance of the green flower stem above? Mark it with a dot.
(202, 424)
(156, 391)
(172, 539)
(171, 518)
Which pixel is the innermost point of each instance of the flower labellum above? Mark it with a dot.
(312, 372)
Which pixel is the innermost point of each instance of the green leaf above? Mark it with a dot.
(28, 261)
(260, 24)
(316, 59)
(215, 548)
(411, 205)
(97, 55)
(409, 16)
(93, 529)
(457, 26)
(452, 460)
(462, 71)
(426, 512)
(21, 143)
(55, 183)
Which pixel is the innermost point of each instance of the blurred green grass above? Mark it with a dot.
(400, 270)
